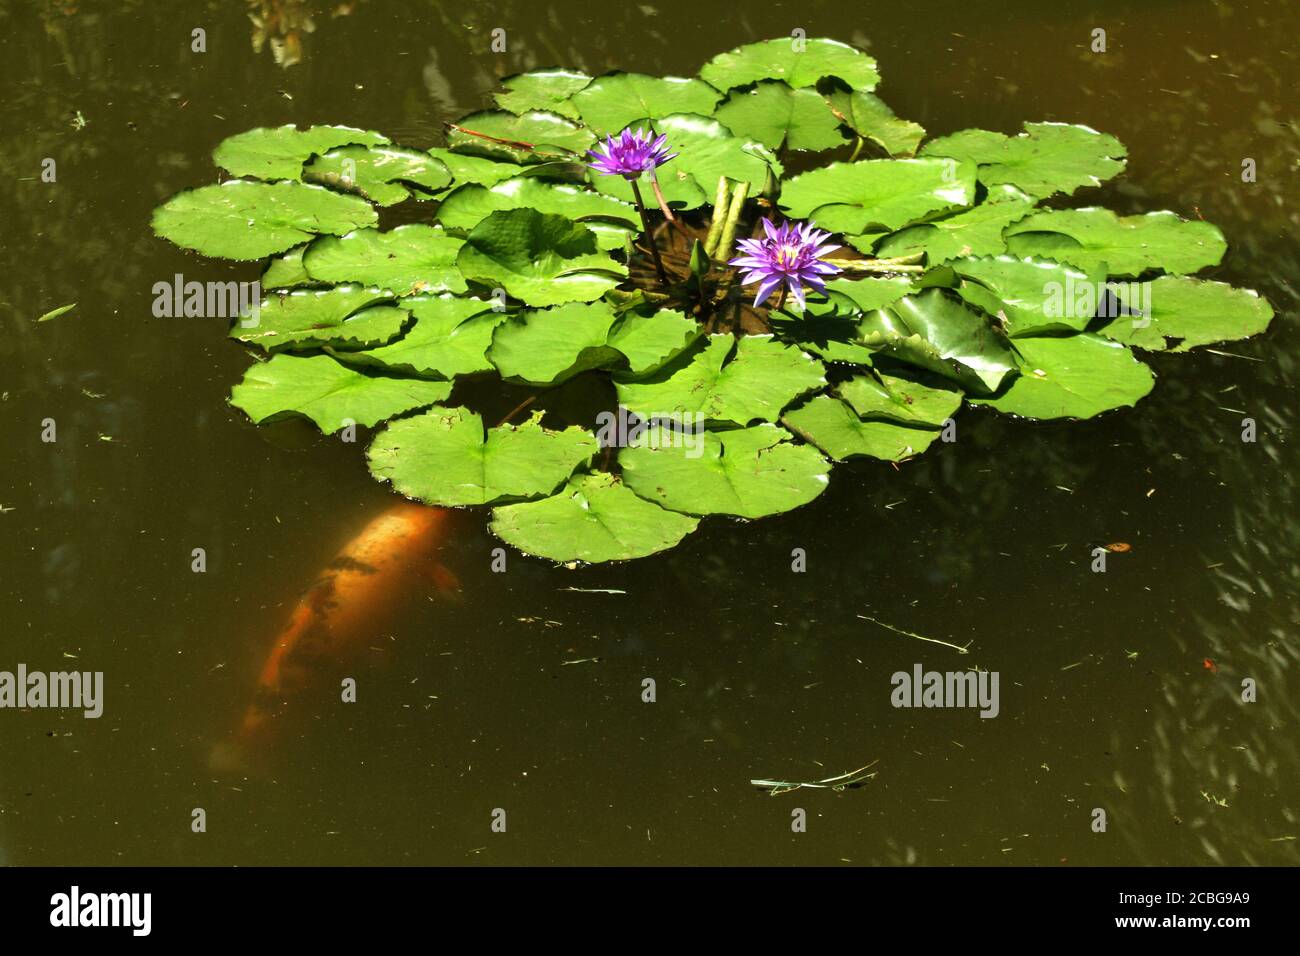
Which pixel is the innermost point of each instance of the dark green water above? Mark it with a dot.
(1105, 700)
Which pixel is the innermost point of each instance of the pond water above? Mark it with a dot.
(1118, 690)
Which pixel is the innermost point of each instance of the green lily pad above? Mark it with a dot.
(449, 337)
(1075, 376)
(445, 457)
(831, 336)
(1034, 296)
(385, 174)
(612, 221)
(799, 62)
(474, 169)
(877, 193)
(542, 90)
(775, 115)
(539, 259)
(706, 151)
(409, 259)
(1179, 314)
(870, 293)
(836, 429)
(532, 137)
(972, 232)
(285, 270)
(649, 342)
(542, 347)
(1096, 238)
(329, 393)
(933, 331)
(278, 153)
(898, 399)
(869, 117)
(1046, 159)
(593, 518)
(310, 318)
(249, 220)
(833, 329)
(762, 378)
(611, 103)
(749, 472)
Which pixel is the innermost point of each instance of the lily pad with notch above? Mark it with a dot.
(834, 427)
(725, 380)
(329, 393)
(343, 316)
(241, 219)
(446, 457)
(1072, 376)
(593, 518)
(539, 259)
(748, 472)
(887, 194)
(449, 337)
(407, 260)
(386, 175)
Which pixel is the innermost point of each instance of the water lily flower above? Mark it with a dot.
(789, 256)
(631, 154)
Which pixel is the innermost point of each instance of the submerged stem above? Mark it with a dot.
(518, 408)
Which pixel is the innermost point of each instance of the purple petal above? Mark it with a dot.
(766, 288)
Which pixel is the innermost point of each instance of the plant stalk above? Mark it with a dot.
(649, 235)
(869, 265)
(728, 236)
(719, 214)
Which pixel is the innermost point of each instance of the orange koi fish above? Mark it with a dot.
(392, 558)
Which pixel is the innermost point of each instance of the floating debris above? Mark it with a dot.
(845, 781)
(960, 649)
(55, 313)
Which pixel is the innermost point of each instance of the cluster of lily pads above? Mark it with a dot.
(534, 265)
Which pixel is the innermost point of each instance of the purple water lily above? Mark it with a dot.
(631, 154)
(788, 255)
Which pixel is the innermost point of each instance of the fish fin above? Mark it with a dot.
(445, 579)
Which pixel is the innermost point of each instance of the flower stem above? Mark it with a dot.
(650, 239)
(667, 211)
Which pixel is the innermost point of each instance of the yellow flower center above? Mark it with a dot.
(786, 256)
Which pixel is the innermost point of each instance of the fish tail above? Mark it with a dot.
(270, 681)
